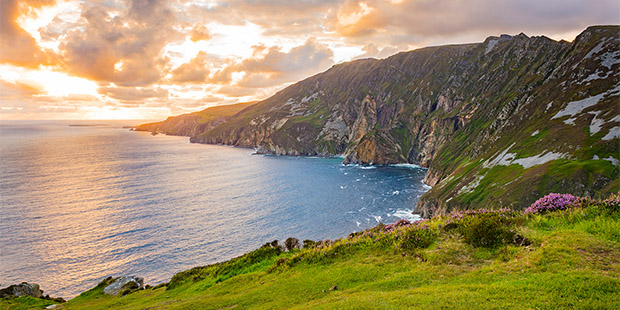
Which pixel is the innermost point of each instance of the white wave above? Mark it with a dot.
(407, 214)
(395, 192)
(368, 167)
(425, 186)
(410, 166)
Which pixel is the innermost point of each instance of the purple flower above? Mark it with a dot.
(552, 202)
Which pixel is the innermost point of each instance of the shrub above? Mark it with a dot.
(308, 244)
(612, 203)
(291, 244)
(552, 202)
(415, 237)
(487, 229)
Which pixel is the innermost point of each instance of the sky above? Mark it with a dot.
(149, 59)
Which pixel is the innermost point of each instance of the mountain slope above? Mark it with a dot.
(195, 123)
(498, 123)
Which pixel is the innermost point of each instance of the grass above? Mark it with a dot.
(572, 261)
(24, 303)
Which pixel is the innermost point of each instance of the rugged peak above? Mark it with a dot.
(502, 37)
(522, 36)
(597, 33)
(614, 29)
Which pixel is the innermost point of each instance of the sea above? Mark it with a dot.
(83, 200)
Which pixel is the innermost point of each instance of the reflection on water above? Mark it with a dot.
(79, 203)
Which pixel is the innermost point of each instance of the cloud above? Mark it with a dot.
(195, 71)
(270, 66)
(17, 90)
(200, 33)
(132, 93)
(236, 91)
(372, 51)
(18, 47)
(426, 20)
(276, 17)
(132, 48)
(125, 49)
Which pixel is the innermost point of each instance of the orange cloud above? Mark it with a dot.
(200, 33)
(271, 66)
(132, 93)
(195, 71)
(358, 19)
(126, 49)
(18, 47)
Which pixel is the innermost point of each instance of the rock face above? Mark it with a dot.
(23, 289)
(124, 285)
(498, 123)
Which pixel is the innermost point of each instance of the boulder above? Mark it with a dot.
(124, 285)
(23, 289)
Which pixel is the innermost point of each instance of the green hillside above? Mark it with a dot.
(196, 122)
(562, 257)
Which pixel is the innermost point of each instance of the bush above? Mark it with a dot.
(308, 244)
(552, 202)
(487, 229)
(415, 237)
(291, 244)
(612, 203)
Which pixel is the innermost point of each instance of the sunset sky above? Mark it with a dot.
(133, 59)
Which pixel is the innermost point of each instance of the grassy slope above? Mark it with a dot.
(173, 125)
(573, 262)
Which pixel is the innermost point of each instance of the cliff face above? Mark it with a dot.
(494, 122)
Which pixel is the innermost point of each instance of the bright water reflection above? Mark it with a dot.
(81, 203)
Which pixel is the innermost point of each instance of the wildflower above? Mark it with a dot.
(552, 202)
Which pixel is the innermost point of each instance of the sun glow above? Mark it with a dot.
(37, 19)
(107, 113)
(59, 84)
(48, 82)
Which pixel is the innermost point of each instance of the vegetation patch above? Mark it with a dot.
(562, 258)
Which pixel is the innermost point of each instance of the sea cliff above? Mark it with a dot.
(498, 123)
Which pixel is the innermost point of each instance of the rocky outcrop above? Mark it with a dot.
(23, 289)
(26, 289)
(124, 285)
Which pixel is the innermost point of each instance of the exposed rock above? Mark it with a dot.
(23, 289)
(124, 285)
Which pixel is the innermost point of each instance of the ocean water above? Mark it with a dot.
(79, 203)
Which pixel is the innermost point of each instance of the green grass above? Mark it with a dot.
(572, 262)
(25, 302)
